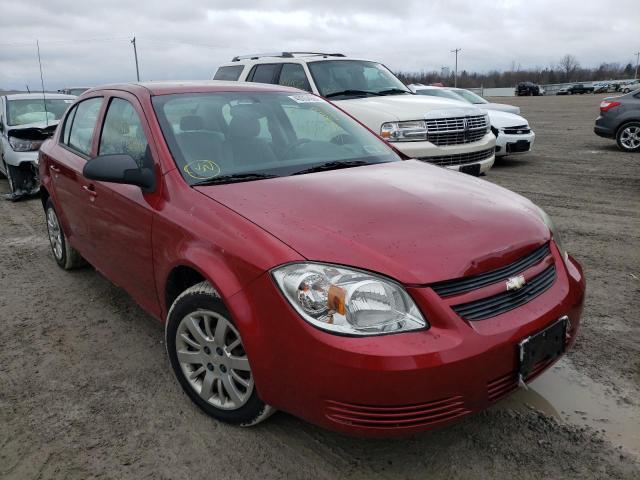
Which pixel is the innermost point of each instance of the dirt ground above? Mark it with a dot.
(86, 390)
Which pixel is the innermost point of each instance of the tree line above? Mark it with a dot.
(567, 70)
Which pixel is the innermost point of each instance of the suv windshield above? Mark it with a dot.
(470, 97)
(238, 136)
(32, 110)
(354, 78)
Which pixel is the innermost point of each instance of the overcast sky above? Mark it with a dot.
(86, 42)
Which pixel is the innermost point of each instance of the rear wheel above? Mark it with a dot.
(208, 358)
(64, 254)
(628, 137)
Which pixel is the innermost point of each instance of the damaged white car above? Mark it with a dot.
(27, 120)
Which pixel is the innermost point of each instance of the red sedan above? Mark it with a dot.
(299, 263)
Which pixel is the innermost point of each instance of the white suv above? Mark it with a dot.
(434, 130)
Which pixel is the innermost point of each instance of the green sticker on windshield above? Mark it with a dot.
(202, 169)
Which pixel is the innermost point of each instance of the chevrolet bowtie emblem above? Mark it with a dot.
(516, 283)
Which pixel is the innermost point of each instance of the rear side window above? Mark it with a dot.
(122, 133)
(83, 124)
(229, 73)
(265, 73)
(293, 75)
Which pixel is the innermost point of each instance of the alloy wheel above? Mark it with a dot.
(630, 137)
(55, 233)
(213, 360)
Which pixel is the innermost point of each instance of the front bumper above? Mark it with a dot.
(395, 384)
(511, 144)
(17, 159)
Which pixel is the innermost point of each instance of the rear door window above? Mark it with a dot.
(266, 73)
(293, 75)
(83, 125)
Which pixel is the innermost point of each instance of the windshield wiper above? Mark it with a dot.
(392, 91)
(334, 165)
(351, 92)
(234, 178)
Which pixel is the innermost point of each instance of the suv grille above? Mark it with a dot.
(467, 284)
(505, 301)
(457, 130)
(519, 130)
(459, 158)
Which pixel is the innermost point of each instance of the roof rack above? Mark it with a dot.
(255, 56)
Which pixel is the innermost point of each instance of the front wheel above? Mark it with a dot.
(64, 254)
(628, 137)
(208, 358)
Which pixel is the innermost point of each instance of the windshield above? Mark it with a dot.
(438, 92)
(470, 97)
(354, 78)
(238, 136)
(77, 91)
(32, 110)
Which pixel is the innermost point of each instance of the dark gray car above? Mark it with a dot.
(620, 119)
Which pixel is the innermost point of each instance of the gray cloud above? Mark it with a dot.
(87, 43)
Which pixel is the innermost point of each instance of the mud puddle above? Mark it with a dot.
(572, 397)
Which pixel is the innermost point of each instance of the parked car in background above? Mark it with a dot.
(299, 263)
(603, 87)
(26, 120)
(620, 119)
(460, 93)
(576, 88)
(527, 89)
(512, 132)
(429, 129)
(631, 87)
(73, 90)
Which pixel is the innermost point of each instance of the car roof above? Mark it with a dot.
(195, 86)
(300, 59)
(29, 96)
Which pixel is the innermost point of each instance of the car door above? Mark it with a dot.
(122, 215)
(75, 147)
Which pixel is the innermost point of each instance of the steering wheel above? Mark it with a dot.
(343, 139)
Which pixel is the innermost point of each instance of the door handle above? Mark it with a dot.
(54, 169)
(90, 190)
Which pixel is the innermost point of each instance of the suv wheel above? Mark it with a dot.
(628, 137)
(208, 358)
(65, 255)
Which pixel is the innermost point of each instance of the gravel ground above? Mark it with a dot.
(86, 390)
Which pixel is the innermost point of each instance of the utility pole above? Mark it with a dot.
(135, 54)
(455, 78)
(635, 76)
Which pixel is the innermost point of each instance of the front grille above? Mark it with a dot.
(456, 131)
(390, 417)
(503, 302)
(519, 130)
(467, 284)
(459, 158)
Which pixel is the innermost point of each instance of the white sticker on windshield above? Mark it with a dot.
(304, 98)
(69, 101)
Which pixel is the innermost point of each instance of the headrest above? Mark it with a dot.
(191, 122)
(244, 126)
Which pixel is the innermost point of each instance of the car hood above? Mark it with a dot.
(34, 131)
(412, 221)
(504, 119)
(374, 111)
(503, 107)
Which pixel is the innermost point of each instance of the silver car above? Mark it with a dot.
(27, 120)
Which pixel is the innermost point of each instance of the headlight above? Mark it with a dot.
(413, 131)
(21, 145)
(554, 233)
(346, 301)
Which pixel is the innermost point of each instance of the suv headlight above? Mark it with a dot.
(346, 301)
(412, 131)
(22, 145)
(554, 233)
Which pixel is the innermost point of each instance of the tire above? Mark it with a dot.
(204, 368)
(64, 254)
(628, 137)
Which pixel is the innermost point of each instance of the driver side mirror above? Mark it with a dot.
(120, 169)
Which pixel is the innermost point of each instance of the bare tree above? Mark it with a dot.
(569, 65)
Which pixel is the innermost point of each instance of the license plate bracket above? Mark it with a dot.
(473, 169)
(545, 345)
